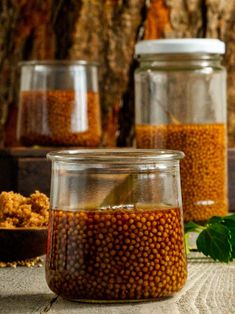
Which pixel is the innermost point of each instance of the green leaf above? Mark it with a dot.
(191, 227)
(215, 219)
(229, 218)
(230, 225)
(214, 241)
(186, 242)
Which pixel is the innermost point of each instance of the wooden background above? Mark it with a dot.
(209, 289)
(105, 31)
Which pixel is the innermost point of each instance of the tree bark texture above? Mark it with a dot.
(105, 31)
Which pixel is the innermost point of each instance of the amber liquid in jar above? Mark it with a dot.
(116, 255)
(52, 118)
(203, 170)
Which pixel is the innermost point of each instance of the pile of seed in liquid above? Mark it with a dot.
(119, 255)
(203, 170)
(51, 118)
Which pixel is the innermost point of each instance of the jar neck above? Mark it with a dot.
(179, 60)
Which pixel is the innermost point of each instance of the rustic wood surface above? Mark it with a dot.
(210, 289)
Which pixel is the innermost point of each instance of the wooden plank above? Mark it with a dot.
(28, 151)
(23, 290)
(8, 170)
(25, 175)
(210, 289)
(33, 174)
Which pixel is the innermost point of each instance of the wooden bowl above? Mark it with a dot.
(22, 243)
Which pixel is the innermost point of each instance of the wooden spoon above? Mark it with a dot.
(22, 243)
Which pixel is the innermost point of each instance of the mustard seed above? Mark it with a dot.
(48, 119)
(125, 266)
(203, 170)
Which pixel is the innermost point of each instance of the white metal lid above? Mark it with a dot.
(185, 45)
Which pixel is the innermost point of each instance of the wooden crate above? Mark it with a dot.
(25, 170)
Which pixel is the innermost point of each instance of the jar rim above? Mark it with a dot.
(58, 62)
(118, 155)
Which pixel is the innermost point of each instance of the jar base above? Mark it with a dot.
(93, 301)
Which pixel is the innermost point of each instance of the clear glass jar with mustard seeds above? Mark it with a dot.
(181, 104)
(115, 228)
(59, 104)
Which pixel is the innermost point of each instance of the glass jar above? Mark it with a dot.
(180, 90)
(59, 104)
(115, 228)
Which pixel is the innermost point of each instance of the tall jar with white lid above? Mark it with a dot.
(180, 97)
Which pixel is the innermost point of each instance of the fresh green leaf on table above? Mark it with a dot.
(229, 217)
(215, 219)
(230, 225)
(191, 227)
(214, 241)
(216, 238)
(186, 241)
(229, 222)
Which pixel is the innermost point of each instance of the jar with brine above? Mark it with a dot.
(59, 104)
(180, 97)
(115, 230)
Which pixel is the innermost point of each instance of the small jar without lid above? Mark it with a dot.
(59, 104)
(115, 229)
(181, 104)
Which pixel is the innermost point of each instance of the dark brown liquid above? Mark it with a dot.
(54, 118)
(118, 255)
